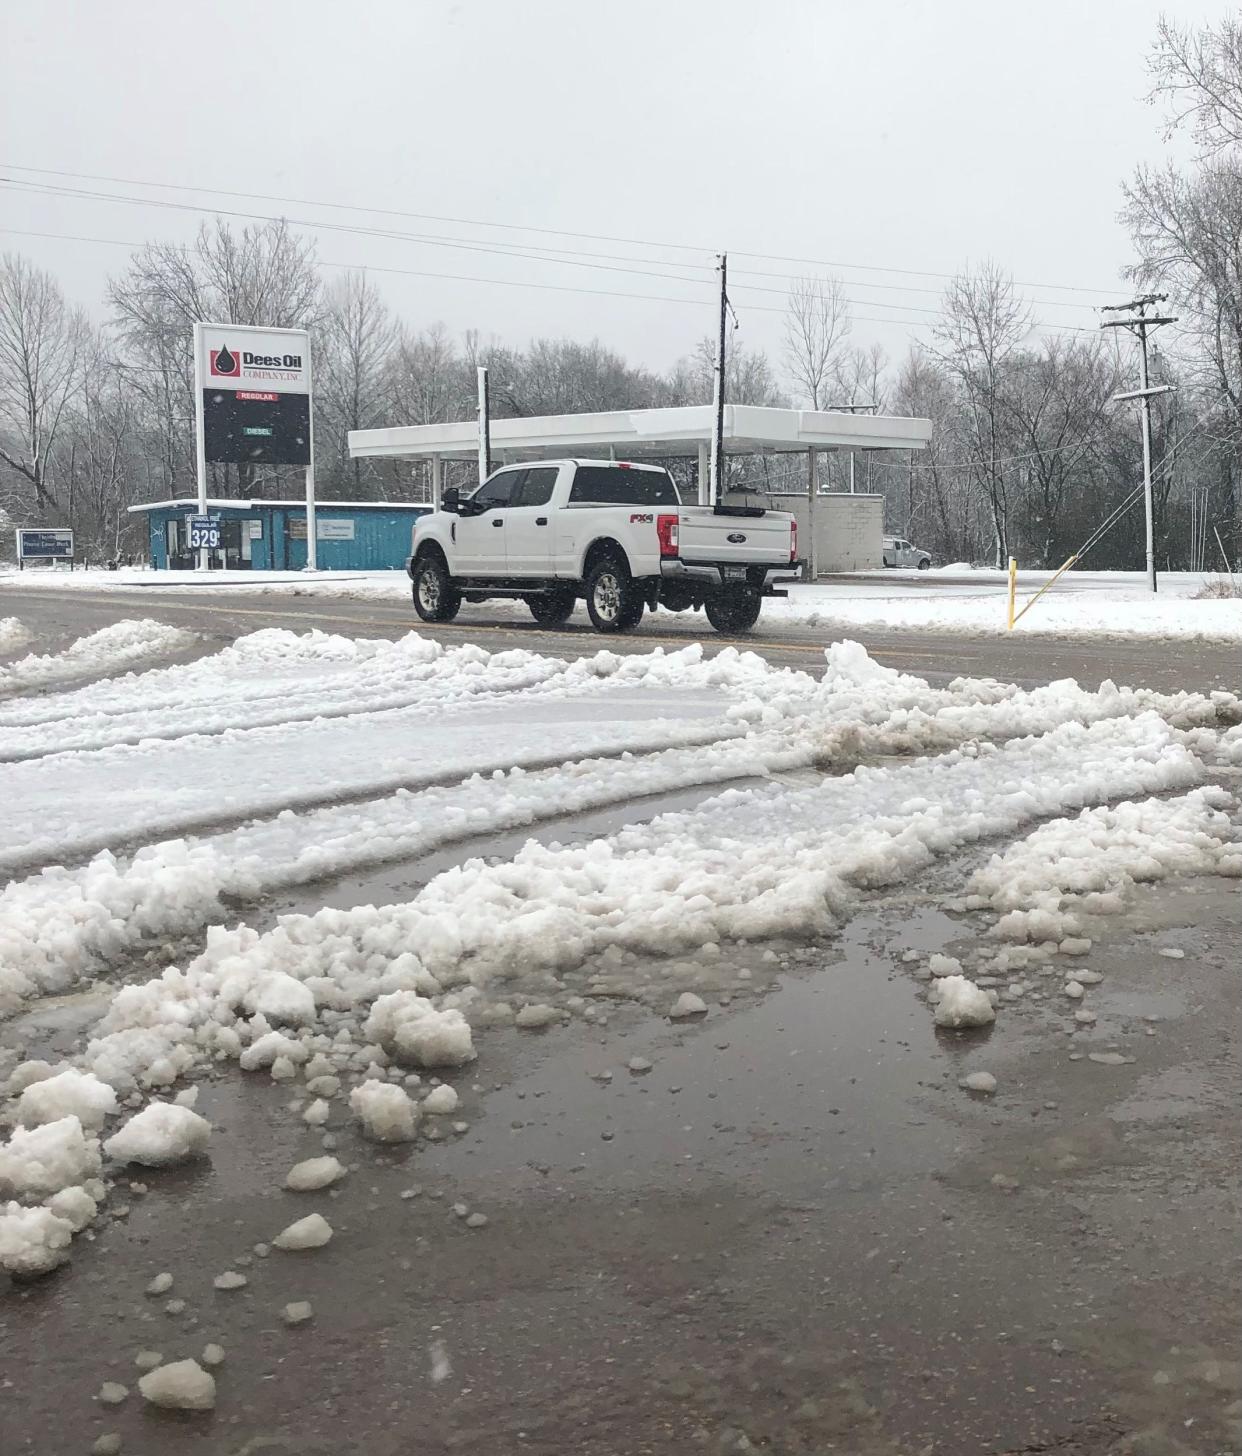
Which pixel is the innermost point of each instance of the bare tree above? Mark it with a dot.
(262, 276)
(749, 376)
(354, 342)
(1186, 223)
(982, 323)
(817, 324)
(42, 342)
(931, 493)
(1059, 405)
(1198, 74)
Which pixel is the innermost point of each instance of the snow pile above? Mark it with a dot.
(278, 677)
(161, 1134)
(32, 1240)
(62, 925)
(39, 1161)
(386, 1112)
(68, 1093)
(12, 634)
(748, 864)
(114, 649)
(1041, 885)
(409, 1027)
(960, 1003)
(1077, 616)
(74, 804)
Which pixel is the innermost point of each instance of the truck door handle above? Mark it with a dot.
(498, 520)
(541, 520)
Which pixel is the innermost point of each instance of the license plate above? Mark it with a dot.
(735, 573)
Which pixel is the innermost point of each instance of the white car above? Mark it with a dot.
(899, 552)
(615, 534)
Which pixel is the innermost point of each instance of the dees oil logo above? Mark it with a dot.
(225, 364)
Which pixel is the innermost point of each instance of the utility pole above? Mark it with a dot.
(718, 391)
(485, 427)
(1138, 322)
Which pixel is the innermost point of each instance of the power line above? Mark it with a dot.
(511, 282)
(462, 278)
(501, 283)
(517, 227)
(45, 190)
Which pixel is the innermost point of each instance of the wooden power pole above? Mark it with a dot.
(1138, 322)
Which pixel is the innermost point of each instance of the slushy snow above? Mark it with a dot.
(32, 1240)
(12, 634)
(68, 1093)
(39, 1161)
(311, 1232)
(161, 1134)
(1043, 885)
(960, 1003)
(441, 1100)
(117, 648)
(385, 1111)
(182, 1385)
(313, 1174)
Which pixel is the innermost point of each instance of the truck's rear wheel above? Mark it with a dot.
(614, 603)
(734, 611)
(436, 599)
(551, 608)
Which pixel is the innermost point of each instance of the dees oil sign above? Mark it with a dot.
(254, 393)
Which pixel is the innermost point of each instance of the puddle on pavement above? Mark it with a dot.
(786, 1228)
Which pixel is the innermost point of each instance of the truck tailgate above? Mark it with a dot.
(705, 536)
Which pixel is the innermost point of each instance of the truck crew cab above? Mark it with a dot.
(613, 533)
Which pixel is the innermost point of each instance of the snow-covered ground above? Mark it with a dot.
(117, 648)
(202, 787)
(1082, 606)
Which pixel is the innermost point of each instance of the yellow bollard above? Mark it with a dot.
(1013, 587)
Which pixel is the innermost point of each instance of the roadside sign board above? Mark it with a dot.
(254, 394)
(252, 406)
(325, 530)
(45, 544)
(203, 531)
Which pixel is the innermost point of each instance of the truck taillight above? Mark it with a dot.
(666, 534)
(793, 540)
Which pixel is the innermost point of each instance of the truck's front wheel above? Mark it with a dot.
(734, 611)
(436, 599)
(614, 603)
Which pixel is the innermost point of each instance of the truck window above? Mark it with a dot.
(497, 489)
(537, 488)
(604, 485)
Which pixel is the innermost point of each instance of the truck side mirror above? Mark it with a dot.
(450, 499)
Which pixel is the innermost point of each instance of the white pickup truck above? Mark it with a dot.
(614, 534)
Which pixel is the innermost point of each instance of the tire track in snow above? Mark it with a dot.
(748, 865)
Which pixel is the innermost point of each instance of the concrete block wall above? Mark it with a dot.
(849, 530)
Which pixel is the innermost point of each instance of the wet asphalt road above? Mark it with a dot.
(795, 1234)
(222, 614)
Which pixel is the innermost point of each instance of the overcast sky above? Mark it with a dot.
(866, 136)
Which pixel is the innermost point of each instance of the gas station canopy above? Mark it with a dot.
(633, 434)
